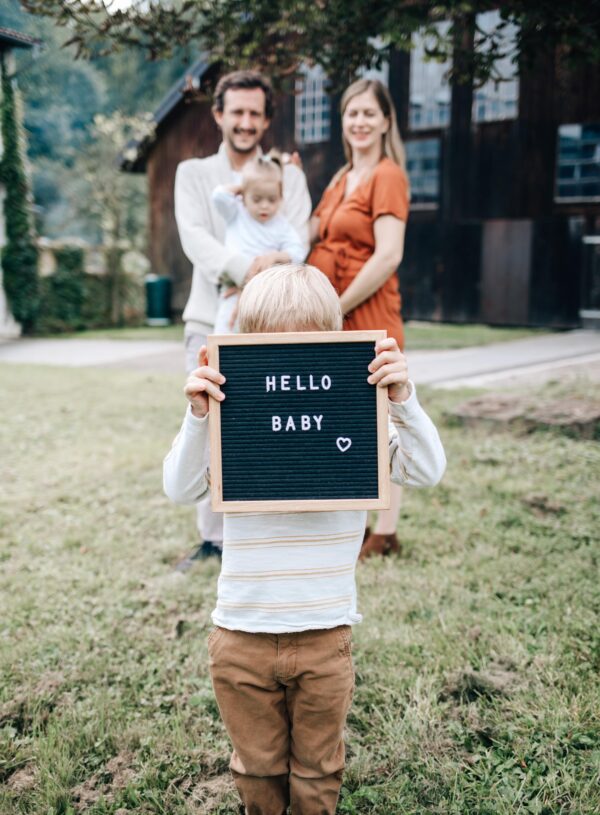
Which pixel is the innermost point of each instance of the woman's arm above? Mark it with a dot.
(389, 234)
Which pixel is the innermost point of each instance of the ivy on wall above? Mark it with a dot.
(19, 256)
(71, 299)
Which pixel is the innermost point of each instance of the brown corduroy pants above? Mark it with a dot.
(284, 699)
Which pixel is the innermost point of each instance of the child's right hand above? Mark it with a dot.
(202, 383)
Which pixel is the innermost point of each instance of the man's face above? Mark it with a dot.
(242, 120)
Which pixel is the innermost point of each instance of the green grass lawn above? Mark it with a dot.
(419, 336)
(435, 336)
(142, 332)
(477, 662)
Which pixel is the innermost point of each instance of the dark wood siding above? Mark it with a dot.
(505, 271)
(189, 132)
(498, 248)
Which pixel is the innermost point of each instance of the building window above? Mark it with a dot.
(423, 167)
(382, 74)
(498, 100)
(429, 88)
(313, 107)
(578, 165)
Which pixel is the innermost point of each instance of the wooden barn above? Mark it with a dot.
(505, 211)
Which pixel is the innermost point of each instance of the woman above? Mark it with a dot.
(359, 227)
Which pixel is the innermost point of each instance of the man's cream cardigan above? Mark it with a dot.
(202, 229)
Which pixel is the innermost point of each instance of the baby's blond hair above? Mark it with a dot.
(263, 167)
(289, 297)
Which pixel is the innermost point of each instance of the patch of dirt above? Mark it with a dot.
(541, 505)
(499, 679)
(113, 777)
(581, 417)
(205, 796)
(39, 700)
(574, 416)
(490, 407)
(49, 684)
(23, 780)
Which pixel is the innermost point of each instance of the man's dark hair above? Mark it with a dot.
(246, 80)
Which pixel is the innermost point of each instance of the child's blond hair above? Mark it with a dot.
(289, 297)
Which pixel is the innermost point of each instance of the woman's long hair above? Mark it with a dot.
(392, 145)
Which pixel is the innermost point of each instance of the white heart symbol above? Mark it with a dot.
(343, 443)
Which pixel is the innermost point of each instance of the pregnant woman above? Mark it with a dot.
(359, 228)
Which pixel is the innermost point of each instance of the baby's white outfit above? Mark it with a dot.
(251, 238)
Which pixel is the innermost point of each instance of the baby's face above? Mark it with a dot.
(262, 198)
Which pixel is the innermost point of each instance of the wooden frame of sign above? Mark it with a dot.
(363, 459)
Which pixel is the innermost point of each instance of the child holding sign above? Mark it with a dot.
(254, 226)
(280, 652)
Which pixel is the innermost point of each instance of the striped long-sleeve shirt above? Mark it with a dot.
(294, 571)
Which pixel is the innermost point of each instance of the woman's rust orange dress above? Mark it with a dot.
(347, 241)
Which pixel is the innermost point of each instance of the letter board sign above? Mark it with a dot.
(300, 428)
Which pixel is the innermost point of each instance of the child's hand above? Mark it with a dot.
(230, 291)
(389, 370)
(202, 383)
(262, 262)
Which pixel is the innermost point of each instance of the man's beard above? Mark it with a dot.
(242, 150)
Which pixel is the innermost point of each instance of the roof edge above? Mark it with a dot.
(132, 158)
(17, 39)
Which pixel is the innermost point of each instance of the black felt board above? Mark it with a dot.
(336, 462)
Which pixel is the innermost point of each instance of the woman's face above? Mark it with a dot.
(363, 122)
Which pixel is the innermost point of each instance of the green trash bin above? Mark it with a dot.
(158, 300)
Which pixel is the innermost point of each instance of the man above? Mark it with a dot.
(243, 109)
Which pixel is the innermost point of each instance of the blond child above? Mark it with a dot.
(254, 227)
(279, 654)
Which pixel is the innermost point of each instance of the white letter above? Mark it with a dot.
(276, 423)
(311, 384)
(299, 385)
(325, 382)
(285, 383)
(318, 420)
(305, 422)
(290, 424)
(270, 383)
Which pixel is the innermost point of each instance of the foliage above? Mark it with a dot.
(19, 256)
(478, 660)
(73, 300)
(115, 200)
(342, 35)
(62, 96)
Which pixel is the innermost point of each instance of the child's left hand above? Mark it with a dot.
(389, 370)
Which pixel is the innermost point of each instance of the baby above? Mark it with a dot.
(254, 227)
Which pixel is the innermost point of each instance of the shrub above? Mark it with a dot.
(19, 256)
(73, 300)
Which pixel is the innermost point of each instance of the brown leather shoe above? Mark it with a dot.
(379, 545)
(393, 545)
